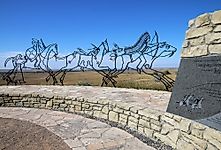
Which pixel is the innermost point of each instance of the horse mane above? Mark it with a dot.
(144, 38)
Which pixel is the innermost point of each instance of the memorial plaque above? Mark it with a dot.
(197, 90)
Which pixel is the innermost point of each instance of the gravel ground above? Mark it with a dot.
(23, 135)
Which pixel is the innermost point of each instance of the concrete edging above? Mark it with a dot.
(173, 130)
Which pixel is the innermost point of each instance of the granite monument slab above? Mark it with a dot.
(197, 90)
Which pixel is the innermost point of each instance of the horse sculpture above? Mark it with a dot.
(18, 62)
(108, 63)
(144, 56)
(39, 56)
(36, 57)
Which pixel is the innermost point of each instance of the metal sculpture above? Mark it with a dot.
(108, 63)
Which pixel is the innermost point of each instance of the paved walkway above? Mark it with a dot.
(77, 132)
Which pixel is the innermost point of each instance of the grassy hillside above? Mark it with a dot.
(129, 79)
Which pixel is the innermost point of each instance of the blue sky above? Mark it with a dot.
(77, 23)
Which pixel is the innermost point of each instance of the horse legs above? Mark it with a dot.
(104, 82)
(54, 79)
(7, 76)
(63, 77)
(107, 79)
(23, 79)
(167, 81)
(166, 78)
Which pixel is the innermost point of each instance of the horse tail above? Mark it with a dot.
(7, 60)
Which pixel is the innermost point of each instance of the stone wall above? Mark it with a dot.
(173, 130)
(203, 36)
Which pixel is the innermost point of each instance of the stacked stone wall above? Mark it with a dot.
(173, 130)
(203, 36)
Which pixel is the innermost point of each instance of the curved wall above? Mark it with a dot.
(173, 130)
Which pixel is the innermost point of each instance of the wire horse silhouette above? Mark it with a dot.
(36, 57)
(108, 63)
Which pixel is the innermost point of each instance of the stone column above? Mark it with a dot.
(197, 90)
(203, 36)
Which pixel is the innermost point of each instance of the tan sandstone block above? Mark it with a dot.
(215, 49)
(153, 114)
(191, 23)
(97, 107)
(201, 50)
(216, 143)
(134, 115)
(105, 109)
(86, 106)
(197, 32)
(133, 119)
(199, 126)
(123, 119)
(59, 101)
(166, 128)
(49, 104)
(185, 44)
(169, 121)
(164, 139)
(99, 114)
(213, 38)
(113, 116)
(202, 20)
(177, 118)
(174, 135)
(217, 28)
(211, 134)
(155, 127)
(168, 115)
(197, 41)
(183, 145)
(144, 123)
(63, 105)
(198, 133)
(216, 17)
(200, 143)
(124, 106)
(211, 147)
(148, 132)
(118, 110)
(90, 113)
(132, 125)
(184, 125)
(77, 108)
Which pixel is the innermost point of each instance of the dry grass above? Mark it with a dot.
(128, 79)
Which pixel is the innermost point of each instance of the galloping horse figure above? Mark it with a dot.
(39, 56)
(82, 60)
(36, 57)
(157, 50)
(18, 62)
(143, 57)
(122, 58)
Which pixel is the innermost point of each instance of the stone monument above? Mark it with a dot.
(197, 90)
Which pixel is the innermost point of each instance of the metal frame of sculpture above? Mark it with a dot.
(108, 63)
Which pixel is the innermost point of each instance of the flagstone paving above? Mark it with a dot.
(77, 132)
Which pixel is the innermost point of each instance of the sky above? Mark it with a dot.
(77, 23)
